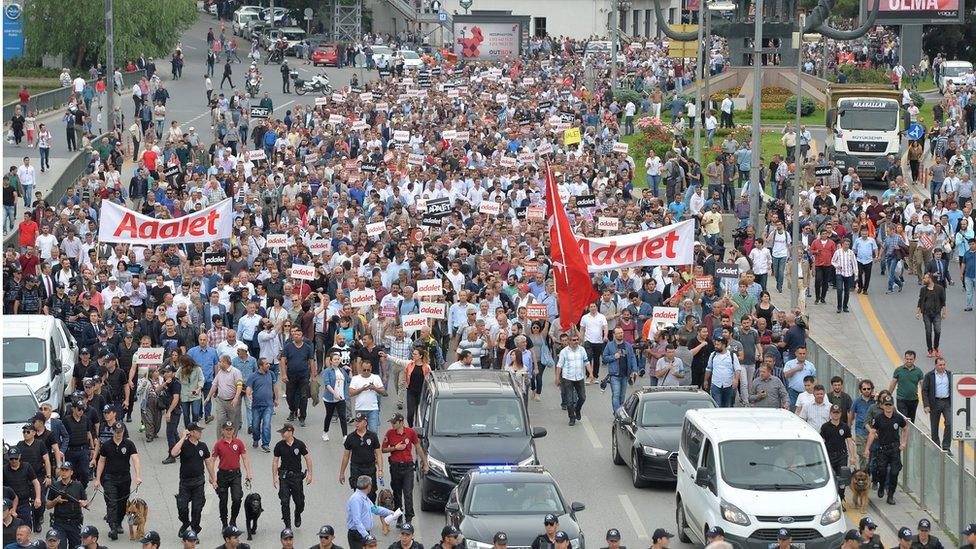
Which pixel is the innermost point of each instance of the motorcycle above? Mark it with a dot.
(253, 87)
(317, 84)
(275, 56)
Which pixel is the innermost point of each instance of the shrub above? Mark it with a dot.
(807, 106)
(917, 98)
(857, 75)
(623, 96)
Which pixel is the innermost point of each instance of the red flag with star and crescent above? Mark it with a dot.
(574, 289)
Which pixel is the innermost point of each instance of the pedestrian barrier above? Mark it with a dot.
(57, 98)
(929, 476)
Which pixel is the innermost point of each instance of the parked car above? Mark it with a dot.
(253, 30)
(241, 19)
(380, 52)
(411, 60)
(292, 35)
(279, 15)
(326, 54)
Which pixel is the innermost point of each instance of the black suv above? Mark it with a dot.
(646, 430)
(514, 500)
(468, 418)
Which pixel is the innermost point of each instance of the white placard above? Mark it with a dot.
(490, 207)
(412, 323)
(501, 98)
(535, 213)
(359, 125)
(421, 204)
(338, 97)
(507, 162)
(437, 311)
(277, 240)
(319, 101)
(451, 94)
(449, 135)
(545, 148)
(256, 155)
(303, 272)
(663, 316)
(620, 147)
(526, 157)
(366, 97)
(608, 223)
(149, 356)
(463, 135)
(319, 245)
(430, 286)
(415, 159)
(375, 229)
(336, 119)
(401, 135)
(383, 106)
(362, 298)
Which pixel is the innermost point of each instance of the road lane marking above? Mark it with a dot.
(591, 434)
(633, 515)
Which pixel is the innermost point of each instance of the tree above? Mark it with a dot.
(77, 28)
(956, 41)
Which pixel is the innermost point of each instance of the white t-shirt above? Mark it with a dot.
(762, 259)
(366, 400)
(593, 327)
(45, 243)
(653, 165)
(804, 399)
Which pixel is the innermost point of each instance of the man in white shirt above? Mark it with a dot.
(45, 243)
(464, 362)
(112, 290)
(365, 390)
(727, 106)
(817, 412)
(79, 84)
(595, 329)
(762, 261)
(629, 110)
(28, 178)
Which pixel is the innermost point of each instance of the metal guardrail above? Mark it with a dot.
(929, 476)
(57, 98)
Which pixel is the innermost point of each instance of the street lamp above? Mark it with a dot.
(755, 191)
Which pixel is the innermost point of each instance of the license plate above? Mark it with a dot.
(866, 163)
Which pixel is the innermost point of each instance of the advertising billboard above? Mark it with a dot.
(487, 41)
(917, 12)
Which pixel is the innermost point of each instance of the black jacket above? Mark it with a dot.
(928, 387)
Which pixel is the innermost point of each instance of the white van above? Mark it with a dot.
(241, 19)
(954, 72)
(752, 471)
(39, 352)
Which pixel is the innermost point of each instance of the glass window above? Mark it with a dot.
(19, 408)
(478, 416)
(23, 356)
(515, 497)
(774, 465)
(852, 117)
(668, 412)
(691, 442)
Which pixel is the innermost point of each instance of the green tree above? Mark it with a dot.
(76, 28)
(956, 41)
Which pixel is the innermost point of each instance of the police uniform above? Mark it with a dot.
(21, 481)
(66, 517)
(543, 541)
(79, 447)
(362, 458)
(33, 454)
(887, 461)
(932, 543)
(191, 492)
(326, 531)
(291, 477)
(116, 478)
(414, 544)
(835, 439)
(91, 531)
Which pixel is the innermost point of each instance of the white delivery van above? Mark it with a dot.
(39, 352)
(953, 72)
(752, 471)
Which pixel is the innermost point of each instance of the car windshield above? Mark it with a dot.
(18, 408)
(505, 498)
(478, 417)
(956, 71)
(292, 34)
(409, 54)
(868, 119)
(382, 50)
(23, 356)
(669, 412)
(774, 465)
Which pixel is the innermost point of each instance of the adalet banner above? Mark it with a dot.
(118, 224)
(670, 245)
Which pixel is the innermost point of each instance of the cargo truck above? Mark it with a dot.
(863, 127)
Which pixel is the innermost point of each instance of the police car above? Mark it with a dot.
(510, 499)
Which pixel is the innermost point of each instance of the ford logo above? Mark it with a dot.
(784, 520)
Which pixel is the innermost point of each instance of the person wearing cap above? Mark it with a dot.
(722, 374)
(450, 538)
(839, 441)
(905, 538)
(67, 497)
(229, 452)
(34, 452)
(969, 536)
(54, 539)
(190, 539)
(81, 445)
(232, 538)
(106, 427)
(661, 539)
(499, 540)
(869, 535)
(888, 429)
(924, 539)
(287, 537)
(784, 540)
(400, 442)
(150, 540)
(613, 539)
(11, 522)
(115, 457)
(359, 513)
(21, 477)
(326, 538)
(298, 367)
(195, 459)
(715, 533)
(287, 474)
(406, 540)
(89, 538)
(546, 539)
(225, 392)
(363, 454)
(852, 540)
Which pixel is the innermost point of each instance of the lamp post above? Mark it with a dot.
(700, 73)
(109, 66)
(798, 38)
(755, 191)
(615, 7)
(704, 59)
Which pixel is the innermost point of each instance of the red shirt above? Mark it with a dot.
(229, 454)
(28, 233)
(393, 438)
(823, 252)
(28, 265)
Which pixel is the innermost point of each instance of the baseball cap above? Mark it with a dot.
(326, 531)
(407, 527)
(970, 530)
(287, 427)
(7, 504)
(287, 533)
(852, 535)
(190, 535)
(53, 534)
(658, 534)
(84, 351)
(230, 531)
(108, 408)
(13, 453)
(194, 427)
(714, 532)
(64, 465)
(38, 417)
(835, 408)
(119, 426)
(783, 533)
(169, 369)
(867, 522)
(925, 524)
(89, 530)
(613, 534)
(102, 333)
(501, 538)
(887, 400)
(449, 531)
(227, 425)
(370, 539)
(88, 382)
(561, 536)
(396, 417)
(361, 416)
(151, 537)
(551, 519)
(720, 339)
(904, 533)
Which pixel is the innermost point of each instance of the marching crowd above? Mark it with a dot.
(389, 184)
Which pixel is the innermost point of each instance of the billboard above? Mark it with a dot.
(916, 12)
(487, 41)
(13, 30)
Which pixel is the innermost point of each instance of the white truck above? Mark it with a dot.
(953, 73)
(863, 127)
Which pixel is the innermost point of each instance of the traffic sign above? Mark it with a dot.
(964, 391)
(442, 17)
(915, 132)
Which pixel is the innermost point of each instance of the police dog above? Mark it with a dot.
(136, 513)
(861, 487)
(252, 511)
(384, 498)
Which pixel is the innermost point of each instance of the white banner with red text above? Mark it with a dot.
(118, 224)
(670, 245)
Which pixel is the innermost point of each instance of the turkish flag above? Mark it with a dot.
(574, 289)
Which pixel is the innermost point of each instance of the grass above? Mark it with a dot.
(778, 117)
(11, 87)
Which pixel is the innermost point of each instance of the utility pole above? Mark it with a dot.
(699, 74)
(755, 191)
(706, 60)
(109, 66)
(795, 245)
(614, 38)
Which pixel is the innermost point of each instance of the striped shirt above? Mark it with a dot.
(845, 261)
(572, 363)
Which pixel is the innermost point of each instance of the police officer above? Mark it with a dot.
(547, 539)
(150, 540)
(190, 539)
(661, 539)
(29, 301)
(285, 77)
(925, 540)
(869, 537)
(715, 533)
(450, 538)
(500, 541)
(562, 540)
(784, 540)
(229, 452)
(287, 537)
(969, 536)
(89, 538)
(852, 540)
(888, 428)
(406, 540)
(22, 479)
(58, 305)
(904, 538)
(67, 497)
(840, 446)
(613, 539)
(194, 458)
(363, 455)
(399, 442)
(81, 444)
(52, 540)
(106, 427)
(112, 471)
(35, 452)
(369, 542)
(326, 538)
(287, 475)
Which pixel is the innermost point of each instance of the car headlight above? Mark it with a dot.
(527, 461)
(437, 466)
(472, 544)
(733, 514)
(832, 514)
(43, 393)
(575, 543)
(651, 451)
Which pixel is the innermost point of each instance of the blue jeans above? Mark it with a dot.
(618, 391)
(207, 410)
(779, 271)
(191, 410)
(373, 419)
(793, 396)
(653, 181)
(9, 213)
(893, 279)
(261, 423)
(28, 195)
(724, 397)
(970, 291)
